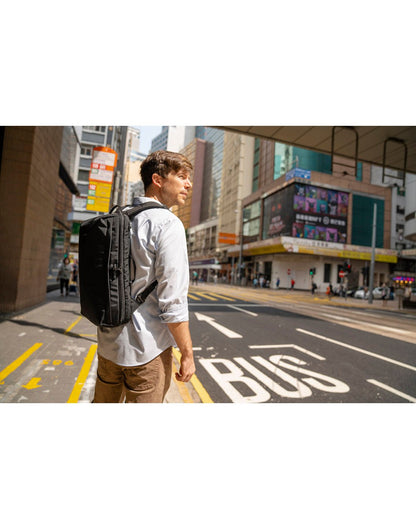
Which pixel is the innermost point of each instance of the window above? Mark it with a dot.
(327, 272)
(256, 165)
(86, 151)
(95, 129)
(251, 222)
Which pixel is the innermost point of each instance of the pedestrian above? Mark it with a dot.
(292, 284)
(73, 286)
(135, 359)
(64, 275)
(329, 291)
(385, 291)
(314, 287)
(277, 282)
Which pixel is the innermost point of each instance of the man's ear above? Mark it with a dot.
(157, 180)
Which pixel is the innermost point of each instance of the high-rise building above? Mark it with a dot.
(173, 138)
(212, 172)
(114, 137)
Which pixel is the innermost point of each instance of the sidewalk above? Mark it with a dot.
(48, 354)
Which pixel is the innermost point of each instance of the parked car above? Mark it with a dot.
(377, 293)
(361, 293)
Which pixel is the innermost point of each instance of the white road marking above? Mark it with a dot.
(242, 310)
(228, 332)
(392, 390)
(358, 349)
(280, 346)
(367, 324)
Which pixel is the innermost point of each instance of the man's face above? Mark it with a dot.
(175, 187)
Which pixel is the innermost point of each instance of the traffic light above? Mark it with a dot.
(312, 271)
(347, 267)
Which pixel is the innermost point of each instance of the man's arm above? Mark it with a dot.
(182, 336)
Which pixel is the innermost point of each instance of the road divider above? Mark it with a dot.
(391, 390)
(358, 349)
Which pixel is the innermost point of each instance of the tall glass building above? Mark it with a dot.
(212, 171)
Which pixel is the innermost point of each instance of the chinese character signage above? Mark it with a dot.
(298, 173)
(102, 168)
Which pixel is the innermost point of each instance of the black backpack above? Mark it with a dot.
(104, 267)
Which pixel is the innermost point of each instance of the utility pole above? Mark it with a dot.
(373, 255)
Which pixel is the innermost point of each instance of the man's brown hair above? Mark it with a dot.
(162, 163)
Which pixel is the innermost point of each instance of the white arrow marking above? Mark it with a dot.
(242, 310)
(221, 328)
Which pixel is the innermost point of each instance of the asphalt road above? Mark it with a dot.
(250, 346)
(252, 352)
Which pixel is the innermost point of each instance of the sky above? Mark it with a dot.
(146, 136)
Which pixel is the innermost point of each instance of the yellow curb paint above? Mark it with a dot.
(73, 324)
(82, 377)
(19, 361)
(199, 388)
(183, 390)
(33, 383)
(88, 335)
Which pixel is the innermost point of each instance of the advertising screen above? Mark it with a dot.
(320, 214)
(306, 211)
(278, 214)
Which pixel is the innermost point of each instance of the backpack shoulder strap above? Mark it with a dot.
(143, 207)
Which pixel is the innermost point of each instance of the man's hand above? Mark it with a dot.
(187, 369)
(180, 331)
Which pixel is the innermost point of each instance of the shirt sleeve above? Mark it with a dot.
(172, 272)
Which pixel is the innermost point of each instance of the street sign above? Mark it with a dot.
(288, 271)
(101, 174)
(341, 273)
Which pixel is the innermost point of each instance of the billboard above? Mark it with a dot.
(308, 212)
(101, 174)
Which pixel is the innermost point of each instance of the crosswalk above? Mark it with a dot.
(202, 296)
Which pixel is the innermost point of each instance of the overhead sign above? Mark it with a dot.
(101, 175)
(227, 238)
(298, 173)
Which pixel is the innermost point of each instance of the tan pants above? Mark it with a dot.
(147, 383)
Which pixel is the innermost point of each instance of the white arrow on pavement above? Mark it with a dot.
(229, 333)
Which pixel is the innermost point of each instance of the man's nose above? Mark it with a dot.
(188, 183)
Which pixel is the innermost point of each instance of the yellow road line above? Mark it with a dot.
(83, 374)
(193, 297)
(19, 361)
(183, 390)
(73, 324)
(199, 388)
(222, 297)
(206, 296)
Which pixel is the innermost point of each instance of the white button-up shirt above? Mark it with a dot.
(159, 252)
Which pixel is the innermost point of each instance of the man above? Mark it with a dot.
(135, 359)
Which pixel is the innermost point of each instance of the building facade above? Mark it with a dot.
(96, 136)
(35, 184)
